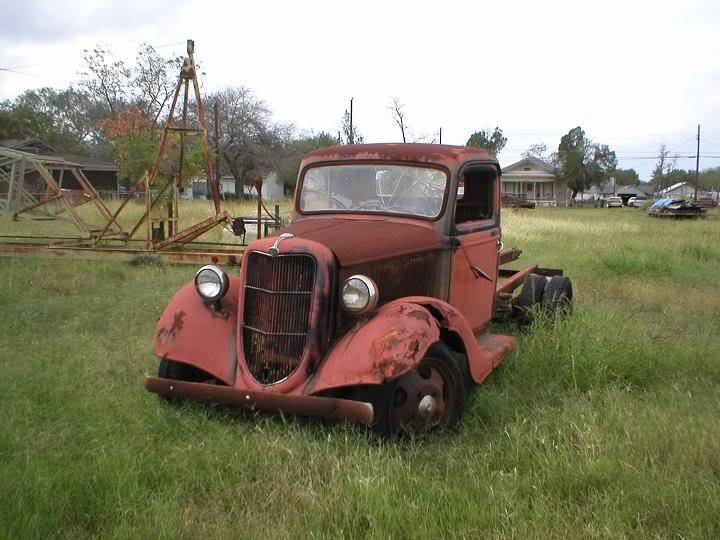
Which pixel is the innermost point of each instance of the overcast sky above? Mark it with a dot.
(632, 74)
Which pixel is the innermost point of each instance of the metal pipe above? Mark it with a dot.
(321, 407)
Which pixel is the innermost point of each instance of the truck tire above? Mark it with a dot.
(531, 295)
(428, 398)
(557, 297)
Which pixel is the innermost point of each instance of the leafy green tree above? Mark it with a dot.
(710, 178)
(492, 142)
(626, 177)
(287, 162)
(580, 163)
(65, 119)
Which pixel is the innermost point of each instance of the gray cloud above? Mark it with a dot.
(38, 21)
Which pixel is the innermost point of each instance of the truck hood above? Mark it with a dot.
(360, 240)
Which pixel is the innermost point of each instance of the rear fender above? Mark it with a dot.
(195, 333)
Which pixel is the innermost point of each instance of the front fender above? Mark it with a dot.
(194, 333)
(378, 349)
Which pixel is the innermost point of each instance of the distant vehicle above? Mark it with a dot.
(706, 202)
(636, 202)
(614, 202)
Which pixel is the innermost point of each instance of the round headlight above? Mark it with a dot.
(211, 282)
(359, 294)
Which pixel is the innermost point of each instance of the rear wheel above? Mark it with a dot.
(557, 297)
(429, 397)
(530, 297)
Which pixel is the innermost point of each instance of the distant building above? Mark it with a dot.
(103, 175)
(533, 179)
(272, 188)
(684, 190)
(640, 191)
(595, 193)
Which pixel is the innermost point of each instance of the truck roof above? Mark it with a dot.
(436, 154)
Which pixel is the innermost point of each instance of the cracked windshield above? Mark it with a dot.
(374, 188)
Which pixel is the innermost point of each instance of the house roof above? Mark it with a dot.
(532, 162)
(676, 186)
(639, 188)
(26, 144)
(44, 149)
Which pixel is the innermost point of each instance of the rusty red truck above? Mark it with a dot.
(373, 305)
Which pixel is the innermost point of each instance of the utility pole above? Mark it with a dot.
(441, 135)
(697, 165)
(217, 145)
(351, 136)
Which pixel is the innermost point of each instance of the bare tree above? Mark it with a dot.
(249, 140)
(398, 116)
(664, 166)
(106, 81)
(537, 150)
(154, 81)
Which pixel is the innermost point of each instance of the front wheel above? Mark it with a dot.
(429, 397)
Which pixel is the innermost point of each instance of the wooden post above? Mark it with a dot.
(148, 222)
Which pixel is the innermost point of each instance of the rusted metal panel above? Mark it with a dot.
(505, 257)
(378, 349)
(473, 276)
(482, 358)
(439, 154)
(355, 240)
(512, 283)
(421, 274)
(321, 407)
(32, 249)
(195, 333)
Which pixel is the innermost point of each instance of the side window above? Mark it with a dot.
(475, 196)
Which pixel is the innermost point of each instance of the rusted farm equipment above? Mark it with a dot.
(163, 238)
(373, 305)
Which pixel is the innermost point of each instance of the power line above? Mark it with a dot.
(9, 70)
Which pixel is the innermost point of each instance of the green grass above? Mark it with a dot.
(605, 425)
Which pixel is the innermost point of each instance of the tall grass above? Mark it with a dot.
(603, 425)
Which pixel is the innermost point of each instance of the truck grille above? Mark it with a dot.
(276, 314)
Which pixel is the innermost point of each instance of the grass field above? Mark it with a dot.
(606, 425)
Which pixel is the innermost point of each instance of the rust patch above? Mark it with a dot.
(397, 351)
(165, 334)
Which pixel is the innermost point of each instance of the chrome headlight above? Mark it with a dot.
(211, 282)
(359, 294)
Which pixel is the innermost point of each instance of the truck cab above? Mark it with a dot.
(372, 305)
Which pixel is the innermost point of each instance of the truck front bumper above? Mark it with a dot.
(321, 407)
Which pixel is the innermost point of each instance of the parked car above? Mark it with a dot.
(373, 305)
(636, 202)
(614, 202)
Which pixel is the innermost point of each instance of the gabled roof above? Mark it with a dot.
(39, 147)
(27, 144)
(535, 164)
(639, 188)
(676, 186)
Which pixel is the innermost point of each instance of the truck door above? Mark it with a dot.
(477, 239)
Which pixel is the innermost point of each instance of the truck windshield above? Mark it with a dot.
(378, 188)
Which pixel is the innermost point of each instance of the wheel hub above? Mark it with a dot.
(426, 407)
(418, 401)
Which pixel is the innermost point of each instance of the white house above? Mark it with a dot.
(681, 190)
(272, 188)
(533, 179)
